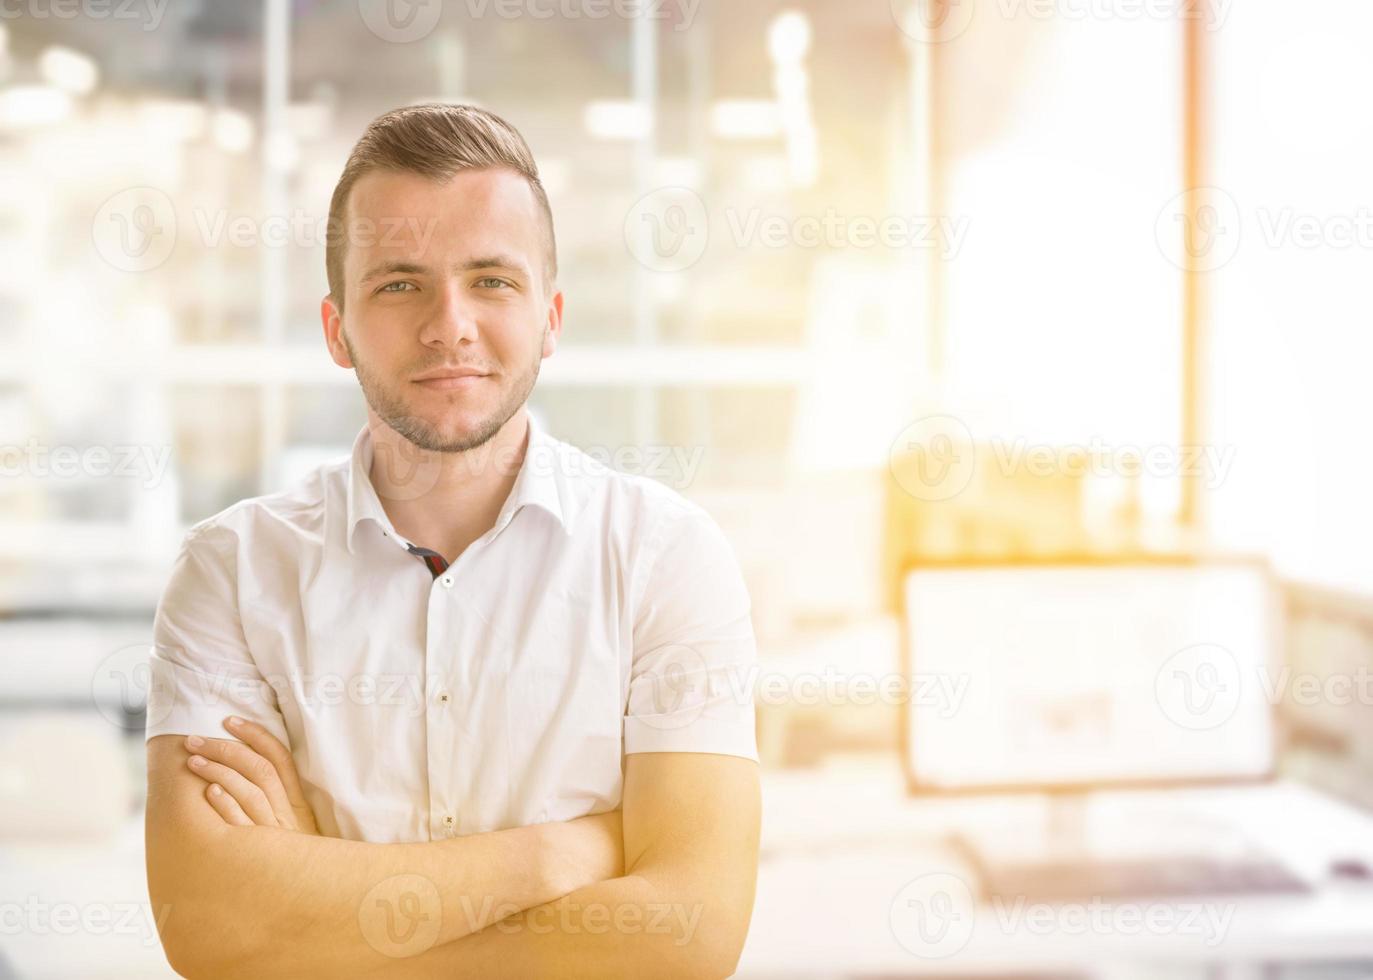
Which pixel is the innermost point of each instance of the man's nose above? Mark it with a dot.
(453, 317)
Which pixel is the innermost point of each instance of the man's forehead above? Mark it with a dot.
(488, 213)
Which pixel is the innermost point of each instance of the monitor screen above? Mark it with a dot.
(1067, 675)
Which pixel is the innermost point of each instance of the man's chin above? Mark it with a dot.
(450, 433)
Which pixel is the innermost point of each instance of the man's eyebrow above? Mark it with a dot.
(387, 268)
(506, 262)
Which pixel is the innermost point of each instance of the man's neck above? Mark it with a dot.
(445, 501)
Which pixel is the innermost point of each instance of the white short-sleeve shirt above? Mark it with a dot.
(603, 614)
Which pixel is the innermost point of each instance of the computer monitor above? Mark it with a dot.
(1075, 674)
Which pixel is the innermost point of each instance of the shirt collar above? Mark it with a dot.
(541, 482)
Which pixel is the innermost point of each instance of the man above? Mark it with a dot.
(466, 703)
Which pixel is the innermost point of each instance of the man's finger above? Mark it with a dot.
(251, 766)
(267, 745)
(226, 806)
(261, 740)
(247, 794)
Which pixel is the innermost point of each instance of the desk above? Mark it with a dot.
(841, 845)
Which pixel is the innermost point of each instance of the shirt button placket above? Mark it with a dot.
(442, 699)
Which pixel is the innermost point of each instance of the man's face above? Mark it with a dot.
(443, 278)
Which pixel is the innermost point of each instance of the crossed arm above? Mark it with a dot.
(664, 884)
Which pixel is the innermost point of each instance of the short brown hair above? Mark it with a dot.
(435, 140)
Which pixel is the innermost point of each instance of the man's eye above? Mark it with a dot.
(400, 283)
(491, 279)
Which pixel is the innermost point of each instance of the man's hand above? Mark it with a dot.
(252, 782)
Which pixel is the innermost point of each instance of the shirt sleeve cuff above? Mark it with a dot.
(185, 701)
(703, 734)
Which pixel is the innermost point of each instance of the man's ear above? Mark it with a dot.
(332, 319)
(554, 325)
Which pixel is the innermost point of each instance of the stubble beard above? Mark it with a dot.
(390, 406)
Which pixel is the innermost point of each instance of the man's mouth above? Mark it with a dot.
(452, 381)
(451, 377)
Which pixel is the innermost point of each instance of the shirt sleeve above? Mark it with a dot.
(201, 670)
(695, 657)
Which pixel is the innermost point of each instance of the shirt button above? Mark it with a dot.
(448, 821)
(444, 698)
(446, 581)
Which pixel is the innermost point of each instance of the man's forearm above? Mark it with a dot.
(260, 901)
(682, 909)
(628, 926)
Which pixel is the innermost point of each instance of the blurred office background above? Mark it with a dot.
(884, 285)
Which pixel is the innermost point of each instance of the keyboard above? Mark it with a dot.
(1119, 879)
